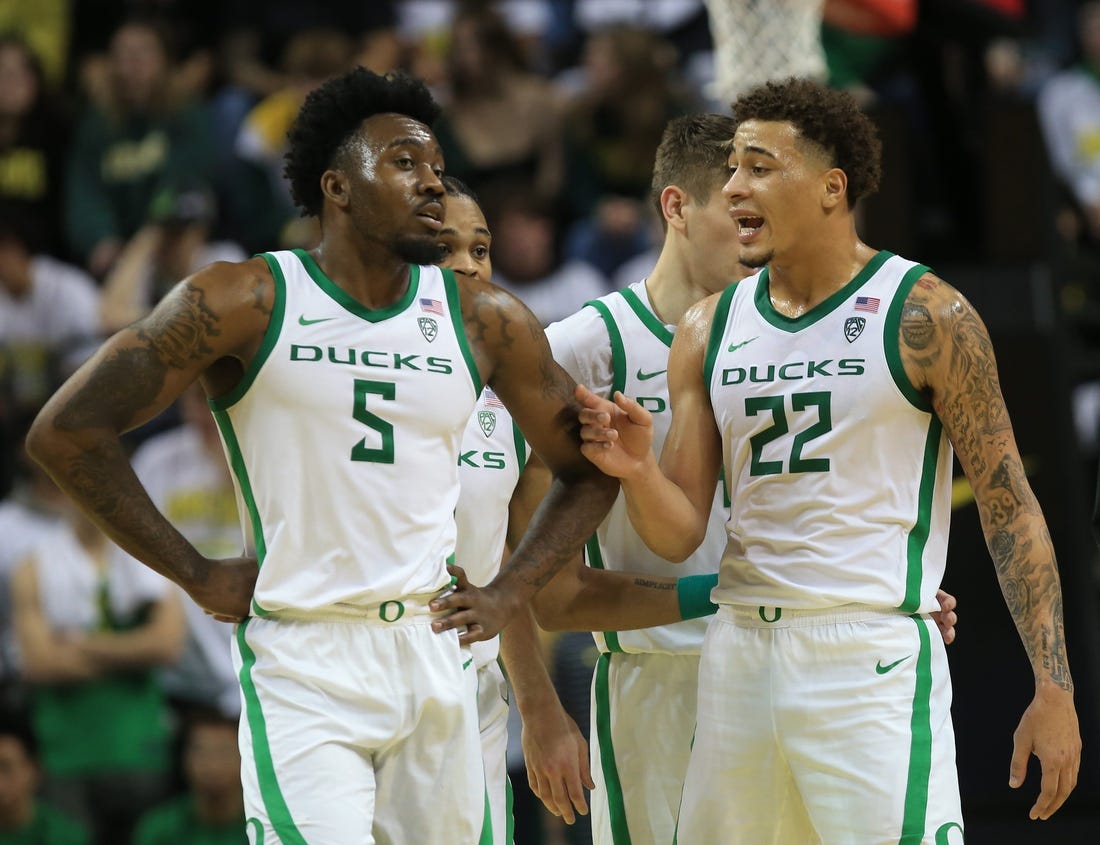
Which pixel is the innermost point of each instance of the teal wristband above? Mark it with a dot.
(693, 593)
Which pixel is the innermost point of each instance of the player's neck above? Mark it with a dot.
(804, 280)
(375, 278)
(671, 286)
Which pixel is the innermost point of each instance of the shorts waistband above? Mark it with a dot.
(761, 616)
(403, 611)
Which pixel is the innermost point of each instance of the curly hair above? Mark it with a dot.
(829, 119)
(329, 117)
(693, 155)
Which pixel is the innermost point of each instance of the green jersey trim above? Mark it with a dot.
(274, 329)
(891, 334)
(595, 560)
(920, 747)
(717, 332)
(240, 472)
(520, 444)
(277, 811)
(454, 304)
(618, 350)
(648, 318)
(616, 806)
(918, 535)
(823, 308)
(349, 303)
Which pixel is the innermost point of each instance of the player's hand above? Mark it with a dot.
(945, 617)
(557, 761)
(225, 591)
(483, 611)
(616, 436)
(1049, 730)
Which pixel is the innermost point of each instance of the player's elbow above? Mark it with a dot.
(675, 547)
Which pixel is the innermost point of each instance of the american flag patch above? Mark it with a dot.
(434, 306)
(863, 303)
(492, 400)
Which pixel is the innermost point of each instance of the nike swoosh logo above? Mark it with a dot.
(304, 321)
(735, 346)
(466, 665)
(882, 670)
(647, 376)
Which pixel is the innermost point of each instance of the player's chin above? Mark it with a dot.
(419, 248)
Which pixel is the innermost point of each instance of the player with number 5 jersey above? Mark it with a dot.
(342, 379)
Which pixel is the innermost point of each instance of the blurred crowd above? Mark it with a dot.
(142, 139)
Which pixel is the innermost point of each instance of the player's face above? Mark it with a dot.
(774, 190)
(465, 237)
(394, 167)
(713, 233)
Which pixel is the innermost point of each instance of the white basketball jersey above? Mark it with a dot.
(840, 472)
(639, 344)
(490, 461)
(343, 437)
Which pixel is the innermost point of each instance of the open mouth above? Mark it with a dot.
(748, 226)
(433, 217)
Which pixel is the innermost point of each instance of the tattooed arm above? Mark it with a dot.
(948, 355)
(208, 327)
(514, 357)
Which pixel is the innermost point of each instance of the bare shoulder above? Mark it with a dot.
(939, 327)
(223, 309)
(498, 325)
(693, 331)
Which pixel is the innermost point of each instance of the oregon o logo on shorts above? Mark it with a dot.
(764, 613)
(391, 611)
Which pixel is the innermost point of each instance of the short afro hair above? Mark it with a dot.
(829, 119)
(330, 115)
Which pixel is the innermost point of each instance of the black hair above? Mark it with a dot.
(455, 187)
(333, 111)
(826, 117)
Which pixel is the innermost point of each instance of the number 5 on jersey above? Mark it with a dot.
(360, 451)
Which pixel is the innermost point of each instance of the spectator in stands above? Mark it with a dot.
(211, 810)
(173, 244)
(501, 120)
(527, 255)
(34, 139)
(125, 150)
(612, 129)
(1069, 113)
(49, 318)
(91, 626)
(25, 820)
(27, 516)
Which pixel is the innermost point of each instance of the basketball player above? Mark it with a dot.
(830, 388)
(646, 677)
(491, 458)
(341, 379)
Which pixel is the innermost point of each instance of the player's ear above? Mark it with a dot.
(335, 188)
(673, 200)
(835, 184)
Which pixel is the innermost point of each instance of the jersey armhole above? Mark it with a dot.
(271, 335)
(618, 350)
(891, 331)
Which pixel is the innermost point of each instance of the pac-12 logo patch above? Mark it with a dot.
(488, 421)
(428, 327)
(853, 328)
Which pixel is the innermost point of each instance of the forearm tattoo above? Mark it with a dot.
(655, 585)
(943, 339)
